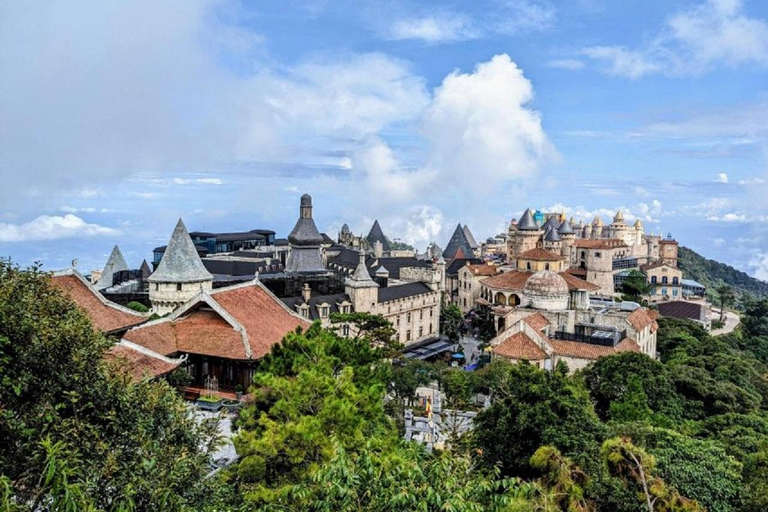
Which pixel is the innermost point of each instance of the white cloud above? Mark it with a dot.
(692, 41)
(751, 181)
(520, 16)
(759, 264)
(571, 64)
(721, 178)
(434, 29)
(197, 181)
(47, 227)
(718, 242)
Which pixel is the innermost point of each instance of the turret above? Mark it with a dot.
(362, 290)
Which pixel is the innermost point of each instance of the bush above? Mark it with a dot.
(137, 306)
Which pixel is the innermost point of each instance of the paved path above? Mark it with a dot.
(731, 321)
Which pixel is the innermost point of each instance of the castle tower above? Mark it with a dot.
(377, 235)
(345, 235)
(567, 235)
(552, 241)
(458, 246)
(620, 230)
(362, 290)
(115, 263)
(180, 274)
(525, 237)
(305, 242)
(668, 250)
(597, 227)
(639, 232)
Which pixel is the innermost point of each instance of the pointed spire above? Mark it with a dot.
(115, 263)
(526, 222)
(619, 217)
(470, 238)
(180, 263)
(361, 278)
(376, 234)
(638, 224)
(552, 235)
(145, 270)
(565, 228)
(458, 246)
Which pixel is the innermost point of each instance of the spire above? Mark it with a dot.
(361, 278)
(470, 238)
(305, 231)
(565, 228)
(144, 270)
(526, 222)
(552, 235)
(458, 246)
(180, 263)
(638, 224)
(115, 263)
(377, 235)
(619, 217)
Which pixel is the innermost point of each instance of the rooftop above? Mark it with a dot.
(180, 263)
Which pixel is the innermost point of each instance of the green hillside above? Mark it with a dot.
(712, 274)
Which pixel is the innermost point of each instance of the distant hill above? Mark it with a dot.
(712, 274)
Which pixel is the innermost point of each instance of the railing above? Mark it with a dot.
(591, 339)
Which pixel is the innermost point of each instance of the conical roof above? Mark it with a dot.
(458, 246)
(470, 238)
(305, 233)
(552, 222)
(361, 278)
(180, 263)
(619, 217)
(638, 223)
(115, 263)
(526, 222)
(565, 228)
(552, 235)
(377, 235)
(145, 270)
(598, 221)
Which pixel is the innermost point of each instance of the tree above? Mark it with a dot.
(534, 408)
(405, 378)
(636, 467)
(450, 320)
(563, 480)
(479, 323)
(725, 297)
(635, 286)
(76, 427)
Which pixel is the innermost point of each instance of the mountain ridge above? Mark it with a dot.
(713, 273)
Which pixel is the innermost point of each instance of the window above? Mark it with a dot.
(653, 279)
(674, 292)
(398, 320)
(421, 332)
(597, 255)
(432, 311)
(178, 287)
(421, 314)
(408, 335)
(663, 279)
(157, 286)
(664, 291)
(345, 330)
(546, 266)
(528, 265)
(408, 317)
(675, 280)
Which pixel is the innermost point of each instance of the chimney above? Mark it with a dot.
(378, 249)
(306, 292)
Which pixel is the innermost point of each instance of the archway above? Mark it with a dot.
(513, 300)
(500, 299)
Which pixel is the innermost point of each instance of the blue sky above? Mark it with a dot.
(116, 118)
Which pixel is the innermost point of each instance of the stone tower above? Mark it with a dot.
(668, 250)
(180, 274)
(620, 230)
(305, 242)
(567, 235)
(525, 237)
(377, 235)
(362, 290)
(115, 263)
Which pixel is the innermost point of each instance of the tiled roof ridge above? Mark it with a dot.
(151, 353)
(74, 272)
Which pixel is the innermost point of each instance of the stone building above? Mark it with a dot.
(469, 279)
(665, 281)
(180, 274)
(305, 242)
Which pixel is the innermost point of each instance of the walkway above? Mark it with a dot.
(731, 321)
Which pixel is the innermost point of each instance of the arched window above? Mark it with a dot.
(675, 280)
(653, 279)
(546, 266)
(500, 299)
(663, 279)
(528, 265)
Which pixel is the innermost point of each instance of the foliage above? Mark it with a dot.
(479, 323)
(725, 297)
(450, 320)
(137, 306)
(635, 286)
(534, 408)
(77, 429)
(564, 480)
(712, 274)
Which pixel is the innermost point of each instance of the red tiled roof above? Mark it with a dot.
(536, 321)
(265, 318)
(641, 318)
(598, 243)
(483, 270)
(105, 316)
(576, 283)
(588, 351)
(202, 330)
(539, 254)
(520, 346)
(139, 364)
(513, 280)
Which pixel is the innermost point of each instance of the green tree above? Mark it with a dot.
(532, 408)
(635, 286)
(75, 427)
(479, 323)
(450, 320)
(725, 298)
(405, 378)
(564, 481)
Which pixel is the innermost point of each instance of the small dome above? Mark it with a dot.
(546, 284)
(345, 228)
(306, 200)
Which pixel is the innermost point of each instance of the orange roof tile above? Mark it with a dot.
(105, 316)
(536, 321)
(483, 270)
(139, 364)
(588, 351)
(641, 318)
(539, 254)
(576, 283)
(513, 280)
(520, 346)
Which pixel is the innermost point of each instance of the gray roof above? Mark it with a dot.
(526, 222)
(345, 228)
(305, 233)
(565, 228)
(317, 300)
(402, 291)
(551, 235)
(115, 263)
(458, 246)
(180, 263)
(362, 277)
(377, 235)
(470, 238)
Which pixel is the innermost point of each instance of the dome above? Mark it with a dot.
(546, 284)
(306, 200)
(345, 229)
